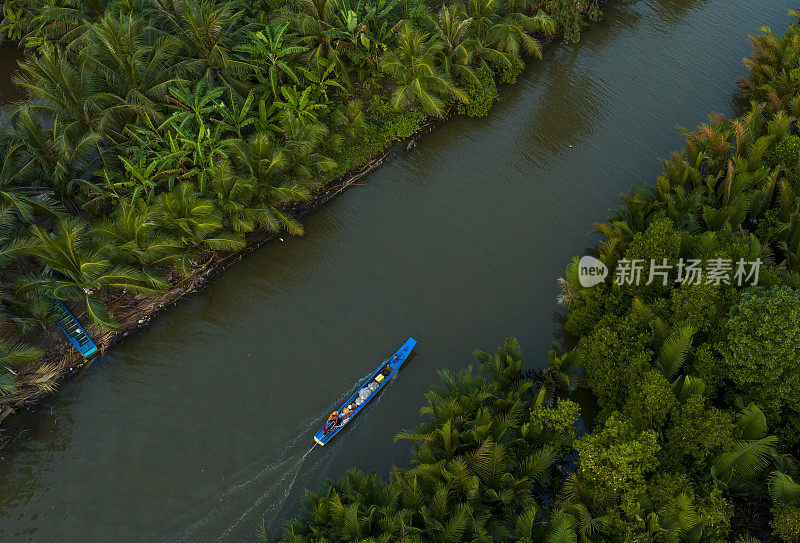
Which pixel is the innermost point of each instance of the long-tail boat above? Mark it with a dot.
(368, 390)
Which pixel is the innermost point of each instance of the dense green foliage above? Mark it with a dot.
(481, 467)
(158, 134)
(762, 338)
(695, 376)
(482, 95)
(698, 374)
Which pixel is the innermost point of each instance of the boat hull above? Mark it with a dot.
(387, 370)
(71, 328)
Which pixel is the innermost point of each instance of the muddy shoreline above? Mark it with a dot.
(64, 362)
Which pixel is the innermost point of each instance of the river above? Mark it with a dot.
(195, 428)
(9, 54)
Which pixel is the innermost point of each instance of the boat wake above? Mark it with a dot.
(289, 463)
(279, 500)
(270, 515)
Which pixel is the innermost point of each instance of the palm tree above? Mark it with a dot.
(499, 40)
(512, 35)
(748, 459)
(456, 54)
(783, 488)
(237, 200)
(209, 32)
(196, 223)
(559, 375)
(54, 156)
(489, 56)
(263, 158)
(133, 75)
(350, 120)
(305, 145)
(131, 236)
(20, 199)
(58, 22)
(574, 520)
(14, 357)
(21, 354)
(76, 269)
(419, 81)
(769, 81)
(8, 384)
(60, 90)
(12, 243)
(484, 14)
(266, 162)
(674, 350)
(313, 21)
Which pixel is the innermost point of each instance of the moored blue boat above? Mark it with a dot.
(73, 329)
(368, 390)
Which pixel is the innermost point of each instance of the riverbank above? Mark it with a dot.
(695, 377)
(35, 381)
(135, 314)
(466, 253)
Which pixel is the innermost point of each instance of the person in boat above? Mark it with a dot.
(333, 419)
(346, 412)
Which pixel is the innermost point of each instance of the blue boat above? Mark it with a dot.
(368, 390)
(73, 329)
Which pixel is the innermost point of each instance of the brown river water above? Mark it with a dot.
(199, 426)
